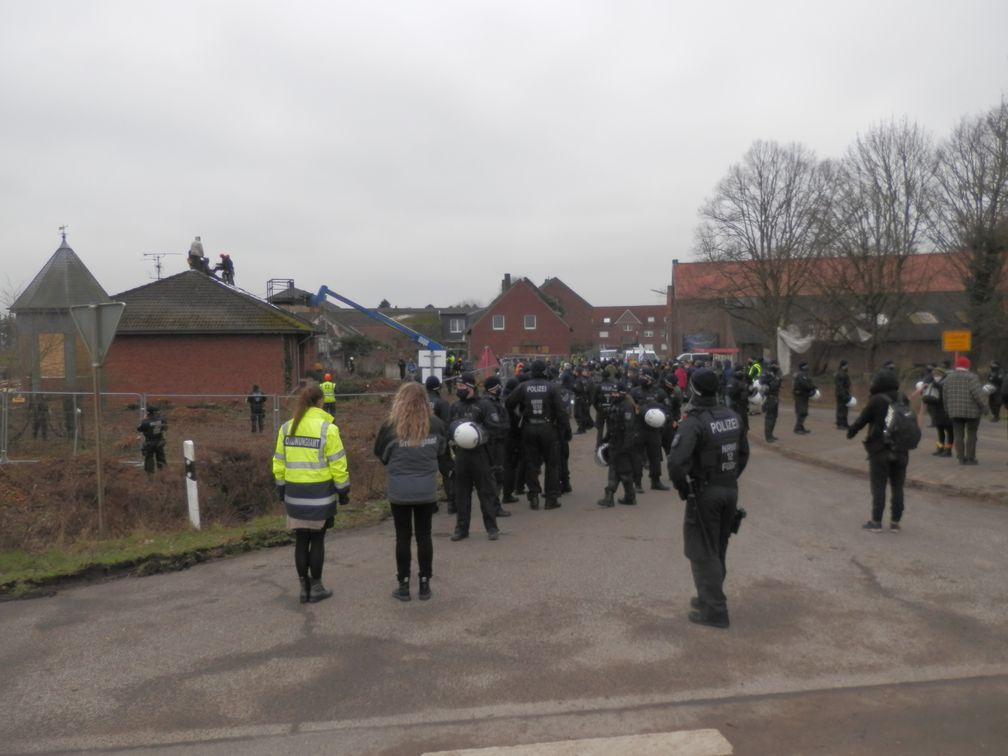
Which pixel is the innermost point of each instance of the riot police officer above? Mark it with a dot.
(803, 389)
(770, 383)
(153, 427)
(648, 396)
(498, 425)
(472, 466)
(709, 452)
(842, 392)
(543, 420)
(441, 409)
(620, 438)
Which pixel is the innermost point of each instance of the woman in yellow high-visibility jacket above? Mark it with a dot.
(310, 469)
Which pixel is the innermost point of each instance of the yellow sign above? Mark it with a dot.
(956, 341)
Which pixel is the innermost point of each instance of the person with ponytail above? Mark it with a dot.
(409, 443)
(310, 470)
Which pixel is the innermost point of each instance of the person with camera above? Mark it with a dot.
(709, 452)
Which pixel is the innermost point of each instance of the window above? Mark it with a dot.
(603, 334)
(607, 321)
(648, 333)
(498, 323)
(628, 327)
(456, 325)
(923, 317)
(650, 319)
(530, 322)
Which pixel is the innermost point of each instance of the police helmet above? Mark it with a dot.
(654, 417)
(468, 436)
(989, 388)
(817, 394)
(602, 456)
(852, 402)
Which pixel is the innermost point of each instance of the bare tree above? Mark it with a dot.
(973, 218)
(766, 223)
(882, 201)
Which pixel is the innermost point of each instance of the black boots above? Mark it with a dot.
(657, 485)
(317, 592)
(606, 500)
(533, 501)
(551, 503)
(305, 588)
(459, 533)
(425, 592)
(402, 592)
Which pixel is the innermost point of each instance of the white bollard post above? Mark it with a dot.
(189, 452)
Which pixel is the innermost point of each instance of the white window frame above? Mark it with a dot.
(603, 334)
(495, 320)
(453, 322)
(525, 322)
(650, 319)
(648, 333)
(607, 321)
(627, 327)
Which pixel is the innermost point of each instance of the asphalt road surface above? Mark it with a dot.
(572, 625)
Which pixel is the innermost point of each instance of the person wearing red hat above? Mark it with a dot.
(965, 403)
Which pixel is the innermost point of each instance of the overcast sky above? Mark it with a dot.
(418, 150)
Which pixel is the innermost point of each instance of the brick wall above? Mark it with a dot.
(213, 364)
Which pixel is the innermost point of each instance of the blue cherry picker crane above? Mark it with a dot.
(431, 356)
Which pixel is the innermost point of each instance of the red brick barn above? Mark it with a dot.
(192, 334)
(576, 311)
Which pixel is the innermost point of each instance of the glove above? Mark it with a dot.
(344, 497)
(280, 491)
(851, 433)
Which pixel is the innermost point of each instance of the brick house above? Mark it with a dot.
(192, 334)
(623, 327)
(520, 321)
(575, 310)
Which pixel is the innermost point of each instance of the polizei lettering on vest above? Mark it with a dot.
(727, 424)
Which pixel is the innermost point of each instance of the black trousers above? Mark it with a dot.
(801, 412)
(541, 446)
(446, 466)
(706, 529)
(514, 469)
(965, 432)
(650, 440)
(770, 408)
(153, 453)
(841, 414)
(887, 467)
(621, 471)
(257, 421)
(410, 520)
(309, 552)
(472, 470)
(496, 448)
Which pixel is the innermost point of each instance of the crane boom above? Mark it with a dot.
(419, 338)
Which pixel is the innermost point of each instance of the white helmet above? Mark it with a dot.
(756, 400)
(602, 456)
(989, 388)
(852, 402)
(816, 394)
(654, 417)
(468, 435)
(919, 385)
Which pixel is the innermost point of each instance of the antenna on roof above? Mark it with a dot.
(63, 230)
(157, 260)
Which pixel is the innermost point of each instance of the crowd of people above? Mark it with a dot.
(508, 436)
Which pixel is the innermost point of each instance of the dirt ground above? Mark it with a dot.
(48, 494)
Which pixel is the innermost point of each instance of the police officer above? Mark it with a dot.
(328, 394)
(472, 466)
(670, 383)
(842, 391)
(543, 420)
(513, 481)
(604, 395)
(498, 425)
(803, 389)
(621, 437)
(709, 452)
(257, 408)
(996, 379)
(441, 409)
(153, 427)
(648, 396)
(769, 386)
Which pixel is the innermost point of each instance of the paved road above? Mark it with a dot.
(571, 626)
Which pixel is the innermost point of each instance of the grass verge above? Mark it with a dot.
(27, 575)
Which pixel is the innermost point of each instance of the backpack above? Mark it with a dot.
(900, 431)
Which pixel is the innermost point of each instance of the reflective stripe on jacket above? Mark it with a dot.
(312, 466)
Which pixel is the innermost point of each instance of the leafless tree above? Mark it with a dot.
(973, 218)
(765, 222)
(882, 201)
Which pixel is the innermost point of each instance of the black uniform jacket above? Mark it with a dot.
(710, 446)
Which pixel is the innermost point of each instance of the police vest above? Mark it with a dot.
(716, 458)
(536, 399)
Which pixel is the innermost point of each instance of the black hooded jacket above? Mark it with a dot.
(884, 391)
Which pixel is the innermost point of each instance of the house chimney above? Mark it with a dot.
(506, 283)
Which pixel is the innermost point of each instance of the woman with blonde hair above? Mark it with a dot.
(310, 470)
(408, 444)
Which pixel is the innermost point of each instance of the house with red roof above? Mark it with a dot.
(520, 321)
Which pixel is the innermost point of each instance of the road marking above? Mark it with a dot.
(681, 743)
